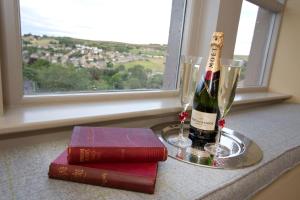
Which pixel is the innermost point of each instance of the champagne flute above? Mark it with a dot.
(189, 76)
(229, 76)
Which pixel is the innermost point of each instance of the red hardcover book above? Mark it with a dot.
(106, 144)
(139, 177)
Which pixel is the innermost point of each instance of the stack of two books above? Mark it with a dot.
(124, 158)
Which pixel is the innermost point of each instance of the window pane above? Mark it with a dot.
(255, 32)
(245, 35)
(94, 45)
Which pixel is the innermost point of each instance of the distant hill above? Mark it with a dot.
(105, 45)
(241, 57)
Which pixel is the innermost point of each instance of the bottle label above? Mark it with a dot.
(203, 121)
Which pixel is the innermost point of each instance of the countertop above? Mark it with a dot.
(275, 128)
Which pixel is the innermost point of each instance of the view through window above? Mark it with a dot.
(93, 45)
(245, 35)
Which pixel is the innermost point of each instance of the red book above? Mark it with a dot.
(139, 177)
(105, 144)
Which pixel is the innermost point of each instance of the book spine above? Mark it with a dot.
(85, 155)
(100, 177)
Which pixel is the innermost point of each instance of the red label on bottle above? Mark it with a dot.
(208, 75)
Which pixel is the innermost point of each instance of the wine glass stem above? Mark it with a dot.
(218, 135)
(181, 130)
(220, 127)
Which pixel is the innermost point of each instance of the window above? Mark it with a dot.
(255, 31)
(105, 62)
(245, 36)
(250, 27)
(107, 45)
(111, 49)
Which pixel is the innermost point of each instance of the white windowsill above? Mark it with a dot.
(29, 117)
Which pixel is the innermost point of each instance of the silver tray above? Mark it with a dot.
(243, 151)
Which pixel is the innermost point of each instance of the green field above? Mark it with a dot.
(155, 64)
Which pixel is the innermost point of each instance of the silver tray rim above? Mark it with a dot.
(250, 153)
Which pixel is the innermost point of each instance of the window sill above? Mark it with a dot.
(35, 117)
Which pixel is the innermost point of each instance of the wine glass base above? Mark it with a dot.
(217, 149)
(181, 142)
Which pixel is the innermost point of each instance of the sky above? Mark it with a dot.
(130, 21)
(246, 28)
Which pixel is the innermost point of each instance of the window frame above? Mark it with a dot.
(224, 16)
(199, 15)
(1, 91)
(263, 44)
(12, 65)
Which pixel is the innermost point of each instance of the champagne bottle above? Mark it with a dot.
(205, 112)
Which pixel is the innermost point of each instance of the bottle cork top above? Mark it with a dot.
(217, 39)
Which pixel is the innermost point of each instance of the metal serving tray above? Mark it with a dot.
(243, 151)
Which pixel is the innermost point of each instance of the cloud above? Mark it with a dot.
(134, 21)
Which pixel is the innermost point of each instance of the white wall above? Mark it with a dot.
(285, 77)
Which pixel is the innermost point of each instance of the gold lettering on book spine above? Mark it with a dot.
(79, 174)
(90, 137)
(63, 171)
(86, 155)
(81, 152)
(104, 178)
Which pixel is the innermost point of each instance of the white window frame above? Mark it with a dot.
(208, 15)
(264, 42)
(1, 93)
(221, 15)
(12, 61)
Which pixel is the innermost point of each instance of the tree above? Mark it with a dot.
(26, 42)
(133, 83)
(117, 81)
(121, 68)
(27, 35)
(40, 64)
(30, 50)
(137, 72)
(95, 73)
(101, 85)
(109, 64)
(60, 78)
(148, 71)
(155, 81)
(68, 42)
(29, 73)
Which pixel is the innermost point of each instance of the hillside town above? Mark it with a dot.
(64, 64)
(80, 55)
